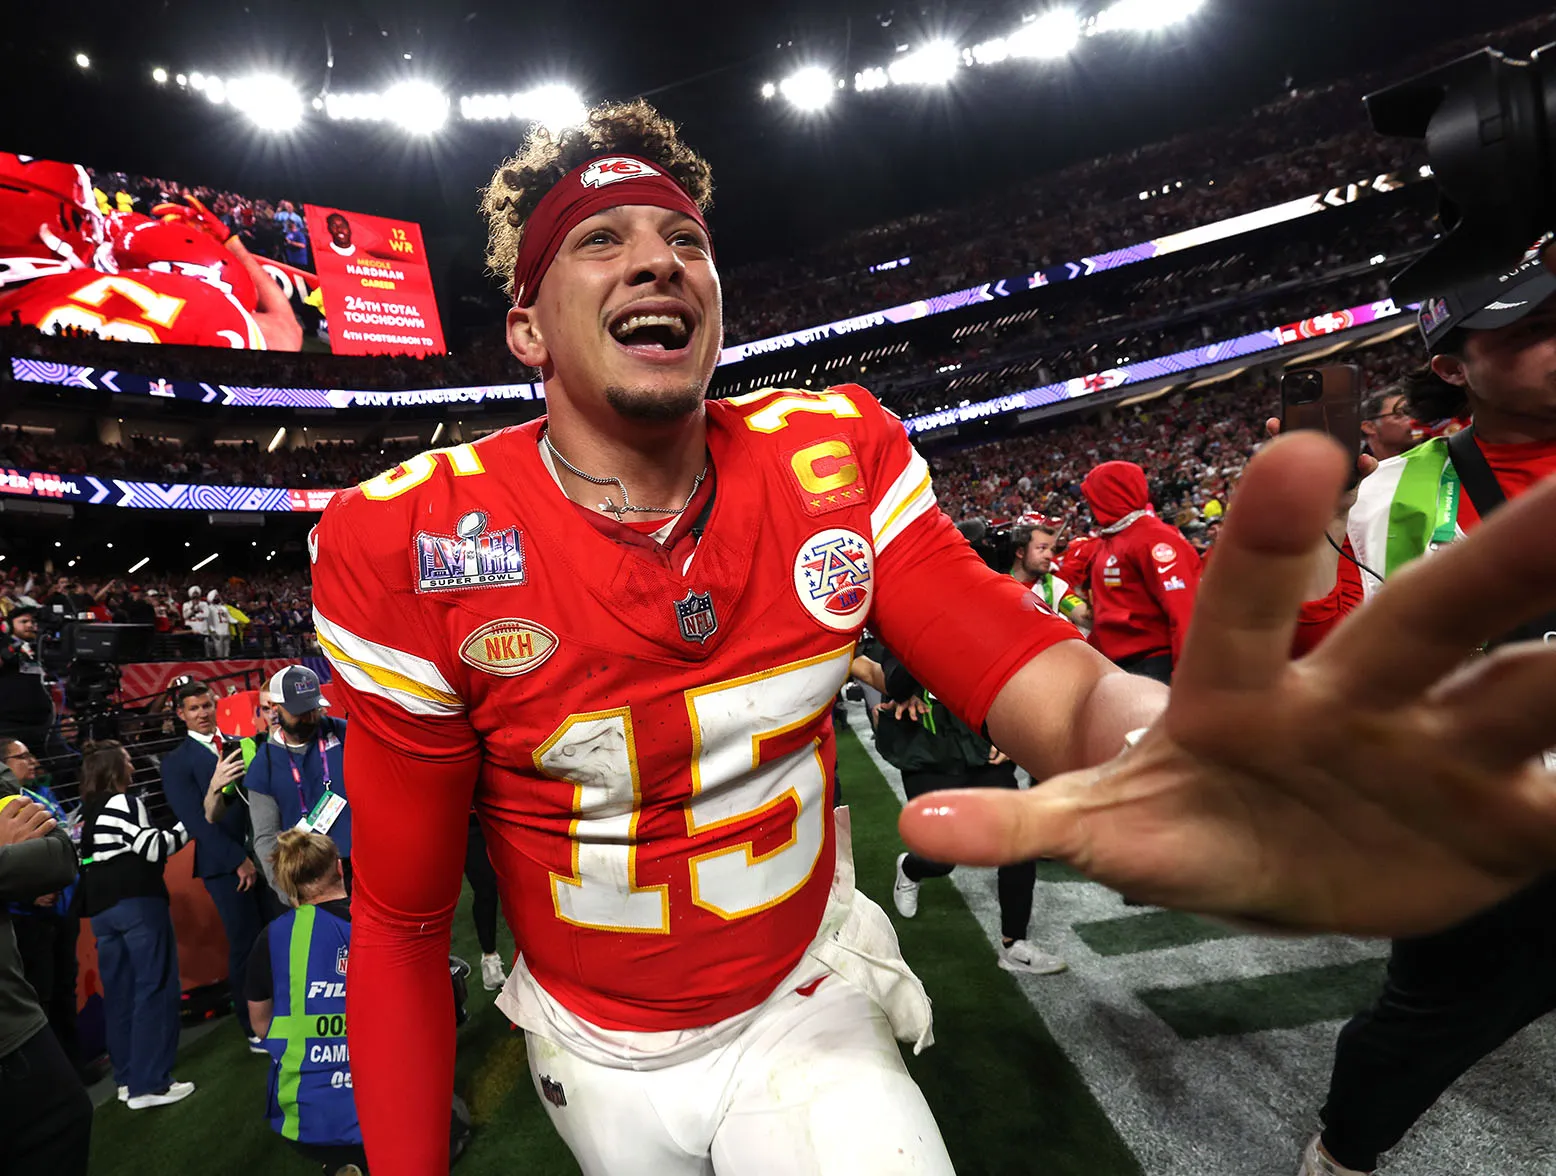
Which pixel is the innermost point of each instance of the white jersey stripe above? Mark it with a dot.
(412, 683)
(910, 496)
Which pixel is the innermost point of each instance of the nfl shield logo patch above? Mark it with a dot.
(696, 617)
(340, 960)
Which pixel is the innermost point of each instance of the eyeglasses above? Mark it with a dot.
(21, 757)
(1398, 413)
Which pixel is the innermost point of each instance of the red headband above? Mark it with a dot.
(608, 181)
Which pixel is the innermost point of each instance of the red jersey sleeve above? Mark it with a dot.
(411, 766)
(962, 629)
(1320, 616)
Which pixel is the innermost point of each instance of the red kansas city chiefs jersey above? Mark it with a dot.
(135, 306)
(654, 735)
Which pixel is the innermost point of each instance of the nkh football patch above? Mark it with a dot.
(473, 557)
(834, 578)
(508, 647)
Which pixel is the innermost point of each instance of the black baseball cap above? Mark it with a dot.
(1489, 303)
(296, 690)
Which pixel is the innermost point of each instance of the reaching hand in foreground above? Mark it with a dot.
(1389, 783)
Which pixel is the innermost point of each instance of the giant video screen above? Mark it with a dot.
(147, 260)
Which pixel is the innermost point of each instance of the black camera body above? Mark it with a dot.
(1487, 122)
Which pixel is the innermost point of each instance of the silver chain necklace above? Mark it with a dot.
(626, 506)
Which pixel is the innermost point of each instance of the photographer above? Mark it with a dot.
(1451, 998)
(45, 1114)
(296, 984)
(204, 763)
(297, 778)
(26, 704)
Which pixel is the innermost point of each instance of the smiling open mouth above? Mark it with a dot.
(665, 331)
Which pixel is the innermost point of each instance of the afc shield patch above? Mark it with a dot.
(834, 578)
(696, 617)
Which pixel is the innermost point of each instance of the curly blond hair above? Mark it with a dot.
(631, 128)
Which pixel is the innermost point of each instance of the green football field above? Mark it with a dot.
(1173, 1045)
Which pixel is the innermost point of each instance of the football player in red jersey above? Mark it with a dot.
(49, 222)
(619, 631)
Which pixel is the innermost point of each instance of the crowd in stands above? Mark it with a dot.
(1192, 445)
(326, 465)
(266, 615)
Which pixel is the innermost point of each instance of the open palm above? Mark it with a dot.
(1389, 783)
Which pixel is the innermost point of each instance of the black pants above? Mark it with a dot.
(1448, 1000)
(1156, 666)
(483, 887)
(45, 1113)
(244, 916)
(1015, 881)
(47, 944)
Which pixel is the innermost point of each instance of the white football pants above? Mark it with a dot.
(814, 1086)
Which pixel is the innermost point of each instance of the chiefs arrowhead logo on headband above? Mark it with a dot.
(608, 181)
(613, 168)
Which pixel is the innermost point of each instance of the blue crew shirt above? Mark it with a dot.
(271, 774)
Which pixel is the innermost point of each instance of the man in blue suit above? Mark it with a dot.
(189, 772)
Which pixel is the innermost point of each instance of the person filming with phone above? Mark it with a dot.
(206, 762)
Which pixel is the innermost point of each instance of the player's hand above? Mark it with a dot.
(1386, 784)
(997, 757)
(46, 900)
(246, 874)
(21, 820)
(193, 211)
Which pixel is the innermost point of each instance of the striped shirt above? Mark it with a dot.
(123, 852)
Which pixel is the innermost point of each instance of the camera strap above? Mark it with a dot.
(1486, 493)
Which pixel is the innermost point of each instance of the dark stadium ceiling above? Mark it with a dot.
(785, 181)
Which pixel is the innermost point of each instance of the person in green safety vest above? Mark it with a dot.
(296, 991)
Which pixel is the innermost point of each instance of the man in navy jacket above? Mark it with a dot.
(222, 859)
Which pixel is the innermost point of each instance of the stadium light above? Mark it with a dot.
(197, 80)
(270, 102)
(275, 442)
(83, 61)
(416, 106)
(205, 561)
(135, 567)
(809, 89)
(1054, 34)
(873, 78)
(934, 64)
(485, 107)
(215, 89)
(1145, 15)
(182, 79)
(555, 107)
(354, 107)
(769, 90)
(159, 75)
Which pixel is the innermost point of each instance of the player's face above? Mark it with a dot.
(1038, 555)
(629, 316)
(1512, 368)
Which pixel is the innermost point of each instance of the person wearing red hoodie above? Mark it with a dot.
(1144, 575)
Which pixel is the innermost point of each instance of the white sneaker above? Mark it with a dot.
(1316, 1163)
(176, 1092)
(904, 892)
(124, 1094)
(257, 1045)
(1021, 956)
(492, 975)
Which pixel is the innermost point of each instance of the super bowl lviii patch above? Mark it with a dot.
(475, 556)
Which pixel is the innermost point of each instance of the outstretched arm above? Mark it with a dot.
(1385, 784)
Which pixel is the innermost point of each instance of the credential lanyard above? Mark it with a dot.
(297, 777)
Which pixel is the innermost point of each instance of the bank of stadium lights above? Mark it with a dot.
(1144, 15)
(555, 107)
(415, 106)
(270, 102)
(1050, 36)
(933, 64)
(810, 89)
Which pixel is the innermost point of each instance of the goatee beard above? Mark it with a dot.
(655, 407)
